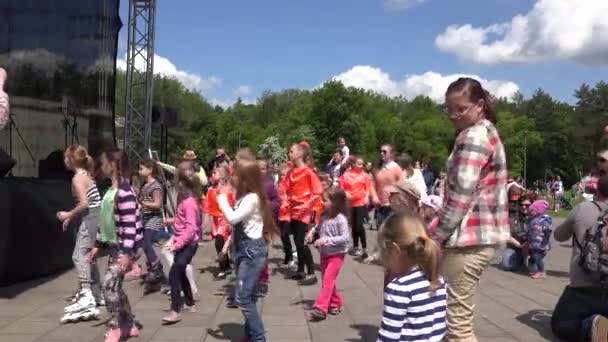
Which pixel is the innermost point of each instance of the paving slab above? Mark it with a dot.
(511, 306)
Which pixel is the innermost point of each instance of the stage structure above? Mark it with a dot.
(61, 61)
(140, 76)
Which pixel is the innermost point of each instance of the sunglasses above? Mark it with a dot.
(525, 205)
(384, 151)
(601, 160)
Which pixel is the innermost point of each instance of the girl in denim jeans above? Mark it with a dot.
(539, 237)
(252, 226)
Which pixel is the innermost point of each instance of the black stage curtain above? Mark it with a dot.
(32, 242)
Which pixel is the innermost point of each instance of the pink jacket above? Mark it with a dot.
(187, 226)
(4, 107)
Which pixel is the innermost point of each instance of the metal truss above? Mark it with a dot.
(140, 75)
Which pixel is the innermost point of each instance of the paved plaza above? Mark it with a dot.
(512, 306)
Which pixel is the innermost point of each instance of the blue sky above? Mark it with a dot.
(235, 48)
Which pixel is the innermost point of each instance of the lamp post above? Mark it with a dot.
(525, 158)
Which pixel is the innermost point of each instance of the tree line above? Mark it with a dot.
(554, 137)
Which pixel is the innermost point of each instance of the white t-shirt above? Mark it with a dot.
(345, 154)
(247, 211)
(418, 180)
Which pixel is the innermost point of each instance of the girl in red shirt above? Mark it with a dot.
(220, 230)
(302, 189)
(356, 183)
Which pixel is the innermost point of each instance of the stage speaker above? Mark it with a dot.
(166, 116)
(6, 163)
(53, 167)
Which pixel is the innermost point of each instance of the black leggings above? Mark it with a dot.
(358, 216)
(285, 227)
(299, 229)
(224, 262)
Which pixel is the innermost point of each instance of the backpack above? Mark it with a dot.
(593, 257)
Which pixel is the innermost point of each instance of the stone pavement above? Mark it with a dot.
(512, 306)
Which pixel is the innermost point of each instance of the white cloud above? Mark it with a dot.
(398, 5)
(429, 84)
(165, 67)
(575, 30)
(242, 91)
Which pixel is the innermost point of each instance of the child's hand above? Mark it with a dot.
(92, 254)
(65, 225)
(310, 236)
(63, 216)
(169, 221)
(321, 242)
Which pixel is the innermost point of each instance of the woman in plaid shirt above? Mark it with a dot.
(474, 219)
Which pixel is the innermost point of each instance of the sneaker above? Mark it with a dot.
(364, 255)
(80, 316)
(73, 297)
(291, 264)
(231, 304)
(599, 329)
(334, 311)
(100, 302)
(190, 308)
(172, 318)
(308, 280)
(317, 315)
(85, 301)
(357, 252)
(538, 275)
(298, 276)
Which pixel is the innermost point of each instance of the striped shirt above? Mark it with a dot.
(411, 311)
(129, 227)
(93, 196)
(152, 217)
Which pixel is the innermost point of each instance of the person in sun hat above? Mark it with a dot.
(191, 156)
(429, 207)
(404, 196)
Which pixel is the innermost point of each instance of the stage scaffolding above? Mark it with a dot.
(140, 75)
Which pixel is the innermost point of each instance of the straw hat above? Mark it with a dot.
(189, 155)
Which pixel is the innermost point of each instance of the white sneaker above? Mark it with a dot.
(85, 301)
(80, 316)
(291, 264)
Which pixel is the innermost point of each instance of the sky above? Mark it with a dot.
(228, 49)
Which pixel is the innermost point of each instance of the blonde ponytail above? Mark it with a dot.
(429, 261)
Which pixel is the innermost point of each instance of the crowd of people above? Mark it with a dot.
(436, 235)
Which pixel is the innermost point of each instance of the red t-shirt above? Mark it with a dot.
(284, 209)
(212, 208)
(356, 184)
(302, 184)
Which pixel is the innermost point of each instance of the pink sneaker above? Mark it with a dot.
(538, 275)
(113, 335)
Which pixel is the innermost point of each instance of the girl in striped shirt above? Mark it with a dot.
(129, 235)
(414, 300)
(151, 201)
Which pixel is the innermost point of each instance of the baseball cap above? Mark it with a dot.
(432, 201)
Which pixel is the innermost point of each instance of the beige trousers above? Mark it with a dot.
(462, 269)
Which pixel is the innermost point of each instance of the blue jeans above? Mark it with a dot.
(537, 263)
(249, 258)
(512, 259)
(382, 213)
(150, 237)
(573, 315)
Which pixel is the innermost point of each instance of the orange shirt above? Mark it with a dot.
(356, 184)
(284, 209)
(389, 174)
(302, 184)
(210, 205)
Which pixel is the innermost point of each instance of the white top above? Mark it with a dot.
(418, 180)
(345, 154)
(246, 211)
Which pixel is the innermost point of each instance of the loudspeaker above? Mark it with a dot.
(166, 116)
(6, 163)
(53, 167)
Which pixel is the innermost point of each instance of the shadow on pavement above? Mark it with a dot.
(539, 320)
(227, 331)
(15, 290)
(367, 333)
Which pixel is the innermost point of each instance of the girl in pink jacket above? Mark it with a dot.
(186, 234)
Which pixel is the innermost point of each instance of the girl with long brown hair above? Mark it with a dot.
(252, 228)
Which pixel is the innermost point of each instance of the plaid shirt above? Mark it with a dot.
(475, 208)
